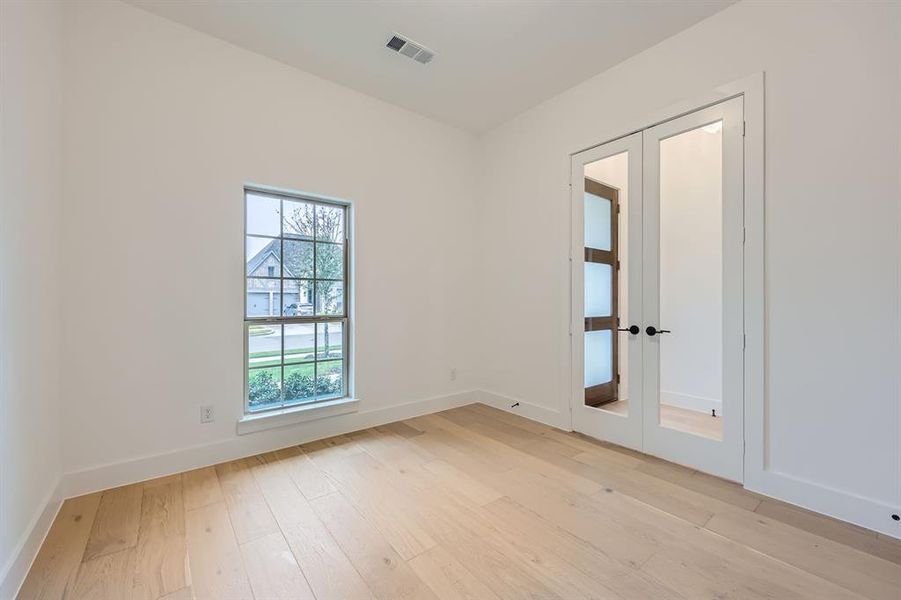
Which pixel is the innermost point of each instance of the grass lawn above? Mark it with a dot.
(292, 355)
(325, 367)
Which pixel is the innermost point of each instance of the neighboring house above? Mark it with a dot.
(264, 295)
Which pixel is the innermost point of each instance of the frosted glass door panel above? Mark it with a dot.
(598, 233)
(598, 357)
(598, 290)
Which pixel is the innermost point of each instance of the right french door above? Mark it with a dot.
(680, 284)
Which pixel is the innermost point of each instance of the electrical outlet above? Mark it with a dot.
(206, 414)
(453, 374)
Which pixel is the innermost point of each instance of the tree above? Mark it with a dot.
(319, 231)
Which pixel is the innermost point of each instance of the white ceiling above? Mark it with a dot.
(495, 58)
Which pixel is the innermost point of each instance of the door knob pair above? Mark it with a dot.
(651, 330)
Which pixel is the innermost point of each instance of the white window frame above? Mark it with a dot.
(328, 405)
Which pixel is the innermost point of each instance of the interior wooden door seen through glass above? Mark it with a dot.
(601, 287)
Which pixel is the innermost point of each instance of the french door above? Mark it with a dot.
(657, 290)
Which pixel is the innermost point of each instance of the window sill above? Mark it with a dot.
(296, 414)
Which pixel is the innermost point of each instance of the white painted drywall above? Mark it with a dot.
(691, 270)
(833, 128)
(30, 176)
(163, 127)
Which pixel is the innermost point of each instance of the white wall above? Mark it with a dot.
(30, 174)
(833, 128)
(163, 126)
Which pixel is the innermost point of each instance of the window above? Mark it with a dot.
(295, 316)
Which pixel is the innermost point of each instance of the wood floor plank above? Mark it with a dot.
(660, 493)
(449, 579)
(392, 449)
(574, 440)
(506, 432)
(106, 576)
(273, 571)
(699, 574)
(309, 480)
(696, 548)
(470, 538)
(117, 521)
(438, 431)
(462, 527)
(217, 570)
(517, 521)
(850, 568)
(327, 569)
(56, 566)
(361, 480)
(402, 429)
(161, 555)
(247, 509)
(386, 573)
(714, 487)
(456, 479)
(833, 529)
(579, 515)
(201, 487)
(520, 457)
(185, 593)
(442, 446)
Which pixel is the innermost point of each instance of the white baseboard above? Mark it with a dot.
(689, 402)
(553, 418)
(14, 571)
(184, 459)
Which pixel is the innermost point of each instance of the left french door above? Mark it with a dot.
(606, 299)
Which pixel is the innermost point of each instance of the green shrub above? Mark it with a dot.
(329, 385)
(263, 389)
(298, 385)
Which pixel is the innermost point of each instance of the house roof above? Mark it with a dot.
(273, 248)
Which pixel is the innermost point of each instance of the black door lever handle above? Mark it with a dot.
(633, 329)
(651, 330)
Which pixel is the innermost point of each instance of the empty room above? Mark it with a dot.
(450, 299)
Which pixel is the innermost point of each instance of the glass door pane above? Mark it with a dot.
(691, 281)
(693, 299)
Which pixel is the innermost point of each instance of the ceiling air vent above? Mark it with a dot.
(410, 49)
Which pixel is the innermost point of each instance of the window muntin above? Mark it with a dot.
(295, 318)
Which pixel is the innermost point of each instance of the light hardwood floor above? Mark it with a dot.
(470, 503)
(690, 421)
